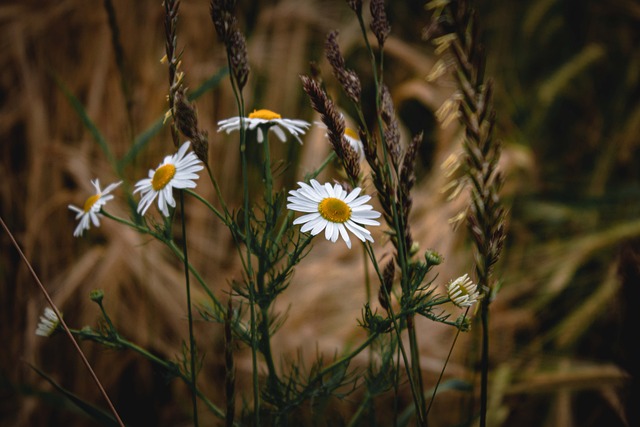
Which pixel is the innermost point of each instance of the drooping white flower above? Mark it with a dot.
(90, 212)
(48, 323)
(333, 210)
(266, 120)
(176, 171)
(463, 292)
(354, 141)
(352, 137)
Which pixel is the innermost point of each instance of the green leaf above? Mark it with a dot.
(143, 138)
(93, 412)
(86, 121)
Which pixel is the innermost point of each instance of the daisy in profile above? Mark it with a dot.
(177, 171)
(266, 120)
(48, 323)
(463, 292)
(352, 137)
(333, 210)
(90, 212)
(354, 141)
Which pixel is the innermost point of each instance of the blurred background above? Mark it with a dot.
(563, 326)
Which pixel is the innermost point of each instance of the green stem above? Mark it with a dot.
(367, 280)
(446, 362)
(170, 367)
(192, 341)
(360, 411)
(413, 369)
(346, 357)
(212, 208)
(268, 178)
(171, 244)
(214, 181)
(484, 376)
(247, 226)
(398, 331)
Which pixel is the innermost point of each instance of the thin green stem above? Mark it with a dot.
(446, 362)
(119, 341)
(268, 177)
(398, 332)
(346, 357)
(192, 341)
(216, 187)
(307, 177)
(360, 411)
(212, 208)
(237, 92)
(396, 385)
(484, 375)
(415, 365)
(171, 244)
(413, 369)
(367, 279)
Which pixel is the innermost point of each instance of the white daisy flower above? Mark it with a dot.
(354, 141)
(332, 210)
(352, 138)
(90, 212)
(177, 171)
(463, 292)
(48, 323)
(266, 120)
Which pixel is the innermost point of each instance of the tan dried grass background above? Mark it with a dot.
(48, 158)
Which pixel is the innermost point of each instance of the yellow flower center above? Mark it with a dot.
(264, 114)
(90, 202)
(162, 176)
(334, 210)
(351, 133)
(463, 291)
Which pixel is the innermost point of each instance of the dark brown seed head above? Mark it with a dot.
(379, 23)
(348, 79)
(237, 51)
(184, 114)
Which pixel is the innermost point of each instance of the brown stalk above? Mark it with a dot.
(63, 323)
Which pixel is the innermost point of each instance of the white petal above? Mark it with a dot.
(345, 235)
(319, 226)
(328, 231)
(352, 195)
(329, 190)
(356, 216)
(306, 218)
(94, 219)
(167, 192)
(75, 209)
(279, 133)
(302, 208)
(365, 221)
(360, 201)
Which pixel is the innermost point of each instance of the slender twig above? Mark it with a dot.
(63, 323)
